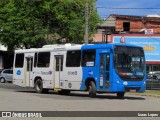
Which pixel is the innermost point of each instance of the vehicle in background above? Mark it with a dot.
(152, 74)
(153, 80)
(6, 75)
(156, 76)
(1, 71)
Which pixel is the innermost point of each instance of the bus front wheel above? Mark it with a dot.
(92, 89)
(39, 87)
(120, 94)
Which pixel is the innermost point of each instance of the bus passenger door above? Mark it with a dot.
(104, 70)
(29, 73)
(58, 69)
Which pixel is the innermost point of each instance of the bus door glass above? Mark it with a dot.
(104, 70)
(58, 70)
(29, 67)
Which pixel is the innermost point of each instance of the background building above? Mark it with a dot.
(138, 30)
(130, 24)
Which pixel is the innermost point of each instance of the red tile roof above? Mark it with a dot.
(139, 18)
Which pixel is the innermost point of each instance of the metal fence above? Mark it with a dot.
(153, 84)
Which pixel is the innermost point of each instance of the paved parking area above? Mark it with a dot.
(14, 98)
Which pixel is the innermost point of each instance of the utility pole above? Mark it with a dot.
(86, 23)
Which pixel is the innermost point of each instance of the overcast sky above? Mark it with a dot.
(104, 12)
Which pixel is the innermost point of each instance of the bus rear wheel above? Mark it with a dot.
(39, 87)
(92, 89)
(120, 95)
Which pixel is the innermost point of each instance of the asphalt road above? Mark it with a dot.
(14, 98)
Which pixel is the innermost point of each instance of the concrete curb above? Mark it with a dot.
(147, 95)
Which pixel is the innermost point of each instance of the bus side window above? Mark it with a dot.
(88, 58)
(59, 62)
(73, 58)
(107, 62)
(35, 60)
(19, 60)
(43, 59)
(101, 62)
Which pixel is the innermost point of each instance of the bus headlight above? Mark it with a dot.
(125, 83)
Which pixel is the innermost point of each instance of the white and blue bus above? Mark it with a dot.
(96, 68)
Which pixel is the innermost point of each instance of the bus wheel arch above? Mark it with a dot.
(91, 86)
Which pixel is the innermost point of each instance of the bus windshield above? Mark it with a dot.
(129, 62)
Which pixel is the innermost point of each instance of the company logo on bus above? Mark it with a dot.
(46, 73)
(72, 72)
(18, 72)
(90, 72)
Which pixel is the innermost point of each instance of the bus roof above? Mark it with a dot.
(51, 48)
(108, 45)
(73, 47)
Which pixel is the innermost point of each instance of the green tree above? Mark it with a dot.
(21, 24)
(29, 23)
(70, 18)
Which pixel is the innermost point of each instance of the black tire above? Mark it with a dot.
(64, 92)
(120, 95)
(2, 80)
(39, 87)
(92, 89)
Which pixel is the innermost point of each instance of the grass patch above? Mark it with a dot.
(148, 92)
(154, 92)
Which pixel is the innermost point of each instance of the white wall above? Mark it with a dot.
(1, 62)
(3, 48)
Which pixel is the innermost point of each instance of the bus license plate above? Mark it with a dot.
(132, 90)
